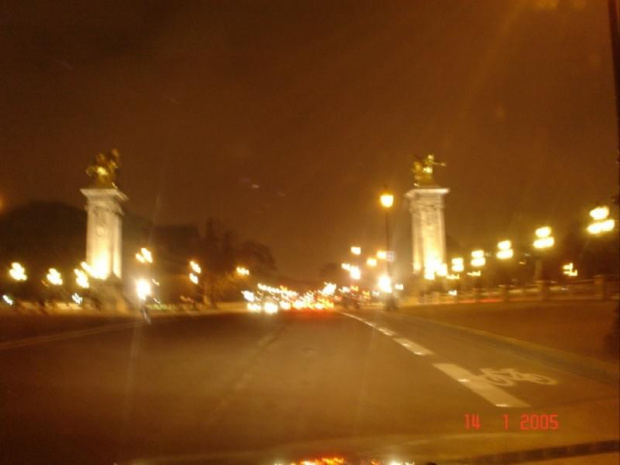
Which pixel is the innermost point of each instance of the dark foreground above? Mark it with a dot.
(98, 391)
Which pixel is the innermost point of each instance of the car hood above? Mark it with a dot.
(460, 449)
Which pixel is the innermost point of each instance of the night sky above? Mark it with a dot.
(286, 118)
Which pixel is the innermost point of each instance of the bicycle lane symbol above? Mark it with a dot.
(511, 376)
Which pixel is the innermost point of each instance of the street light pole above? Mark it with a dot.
(387, 201)
(388, 264)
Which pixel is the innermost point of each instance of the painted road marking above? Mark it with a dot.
(412, 346)
(474, 383)
(387, 332)
(37, 340)
(484, 389)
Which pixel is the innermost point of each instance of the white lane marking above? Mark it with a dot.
(31, 341)
(412, 346)
(386, 331)
(487, 391)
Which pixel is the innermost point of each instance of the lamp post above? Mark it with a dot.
(601, 223)
(387, 202)
(544, 240)
(504, 250)
(194, 277)
(18, 275)
(17, 272)
(144, 255)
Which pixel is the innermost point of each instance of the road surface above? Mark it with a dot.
(102, 391)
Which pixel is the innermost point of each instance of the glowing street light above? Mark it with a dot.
(602, 223)
(504, 251)
(355, 273)
(387, 200)
(477, 258)
(53, 277)
(144, 256)
(193, 278)
(346, 266)
(195, 267)
(382, 255)
(355, 250)
(371, 262)
(385, 284)
(599, 213)
(81, 278)
(458, 265)
(17, 272)
(242, 271)
(143, 289)
(544, 238)
(600, 227)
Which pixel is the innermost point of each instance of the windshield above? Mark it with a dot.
(274, 231)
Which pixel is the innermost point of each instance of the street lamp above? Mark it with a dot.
(544, 240)
(144, 255)
(355, 250)
(387, 202)
(17, 272)
(143, 289)
(371, 262)
(504, 251)
(194, 277)
(53, 277)
(458, 265)
(477, 259)
(385, 284)
(601, 222)
(195, 267)
(242, 271)
(81, 278)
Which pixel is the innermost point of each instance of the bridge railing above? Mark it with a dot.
(599, 288)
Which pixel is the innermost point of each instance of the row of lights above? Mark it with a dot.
(17, 272)
(544, 240)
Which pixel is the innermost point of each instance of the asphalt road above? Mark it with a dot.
(103, 391)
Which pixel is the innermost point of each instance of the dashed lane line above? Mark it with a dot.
(387, 332)
(476, 384)
(412, 346)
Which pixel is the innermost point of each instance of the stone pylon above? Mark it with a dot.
(428, 231)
